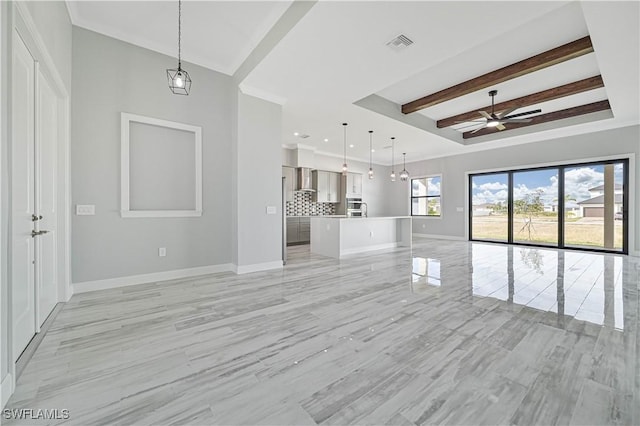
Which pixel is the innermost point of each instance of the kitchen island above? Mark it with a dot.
(338, 236)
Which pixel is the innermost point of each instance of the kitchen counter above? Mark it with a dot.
(341, 236)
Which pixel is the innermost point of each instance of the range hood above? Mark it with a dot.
(303, 179)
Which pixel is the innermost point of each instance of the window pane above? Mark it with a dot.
(587, 190)
(418, 187)
(419, 206)
(490, 195)
(433, 206)
(433, 185)
(535, 206)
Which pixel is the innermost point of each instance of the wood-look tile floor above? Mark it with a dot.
(444, 333)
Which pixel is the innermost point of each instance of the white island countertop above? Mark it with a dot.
(338, 236)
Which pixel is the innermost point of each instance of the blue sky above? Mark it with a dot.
(578, 181)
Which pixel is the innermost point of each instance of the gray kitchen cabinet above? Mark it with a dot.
(290, 182)
(293, 226)
(327, 186)
(353, 185)
(298, 230)
(304, 231)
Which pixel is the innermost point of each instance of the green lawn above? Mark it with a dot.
(586, 232)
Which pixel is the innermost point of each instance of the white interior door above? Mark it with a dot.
(22, 197)
(46, 142)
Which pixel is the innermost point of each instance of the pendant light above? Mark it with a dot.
(404, 174)
(344, 165)
(393, 173)
(370, 154)
(179, 80)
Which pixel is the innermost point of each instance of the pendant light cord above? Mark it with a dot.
(179, 31)
(370, 147)
(345, 142)
(393, 144)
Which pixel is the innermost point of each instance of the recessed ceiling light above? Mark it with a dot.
(326, 140)
(351, 146)
(373, 150)
(295, 133)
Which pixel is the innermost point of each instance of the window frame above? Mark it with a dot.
(411, 197)
(561, 166)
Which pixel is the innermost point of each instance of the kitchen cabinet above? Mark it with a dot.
(327, 186)
(290, 182)
(298, 230)
(353, 185)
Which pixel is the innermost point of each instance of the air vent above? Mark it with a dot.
(400, 43)
(303, 136)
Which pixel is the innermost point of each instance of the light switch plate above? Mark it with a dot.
(271, 210)
(85, 209)
(162, 251)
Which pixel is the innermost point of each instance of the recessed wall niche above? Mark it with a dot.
(161, 168)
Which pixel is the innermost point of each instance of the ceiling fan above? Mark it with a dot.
(498, 120)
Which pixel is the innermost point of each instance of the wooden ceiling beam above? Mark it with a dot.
(545, 118)
(545, 59)
(585, 85)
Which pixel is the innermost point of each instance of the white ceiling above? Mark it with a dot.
(215, 34)
(336, 55)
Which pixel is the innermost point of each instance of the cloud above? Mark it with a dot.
(493, 186)
(577, 182)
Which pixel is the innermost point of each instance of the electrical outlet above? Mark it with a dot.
(460, 209)
(85, 209)
(371, 234)
(162, 251)
(271, 210)
(424, 226)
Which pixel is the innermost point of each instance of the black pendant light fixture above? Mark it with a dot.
(393, 173)
(404, 174)
(370, 154)
(179, 80)
(344, 165)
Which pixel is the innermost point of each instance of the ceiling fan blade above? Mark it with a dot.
(506, 112)
(485, 115)
(515, 120)
(470, 125)
(500, 127)
(478, 129)
(535, 111)
(479, 120)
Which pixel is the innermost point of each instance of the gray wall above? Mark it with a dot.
(109, 77)
(567, 149)
(259, 184)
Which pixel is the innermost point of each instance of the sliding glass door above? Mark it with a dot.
(594, 206)
(535, 207)
(489, 207)
(574, 206)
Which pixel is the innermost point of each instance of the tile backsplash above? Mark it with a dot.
(303, 205)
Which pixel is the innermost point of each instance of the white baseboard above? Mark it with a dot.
(6, 390)
(256, 267)
(364, 249)
(86, 286)
(439, 237)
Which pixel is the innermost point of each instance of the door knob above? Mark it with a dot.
(36, 233)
